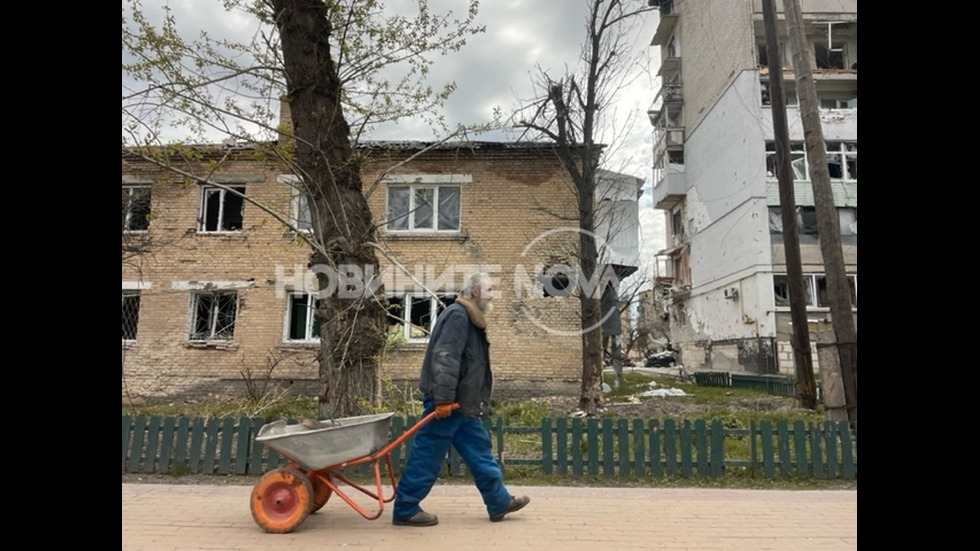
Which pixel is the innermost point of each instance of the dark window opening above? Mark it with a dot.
(135, 208)
(223, 210)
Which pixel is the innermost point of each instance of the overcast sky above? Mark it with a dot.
(494, 69)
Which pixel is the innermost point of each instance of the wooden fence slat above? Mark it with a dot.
(166, 445)
(687, 449)
(701, 438)
(799, 442)
(127, 432)
(180, 454)
(546, 451)
(816, 456)
(139, 433)
(670, 447)
(639, 447)
(227, 435)
(846, 453)
(152, 445)
(210, 445)
(765, 441)
(717, 448)
(561, 448)
(830, 437)
(655, 461)
(241, 444)
(254, 465)
(782, 437)
(197, 444)
(396, 430)
(753, 449)
(592, 445)
(577, 446)
(500, 441)
(624, 447)
(608, 468)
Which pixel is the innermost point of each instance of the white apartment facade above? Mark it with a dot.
(722, 277)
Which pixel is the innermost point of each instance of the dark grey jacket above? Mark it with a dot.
(456, 367)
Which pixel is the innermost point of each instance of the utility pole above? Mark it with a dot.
(828, 225)
(802, 357)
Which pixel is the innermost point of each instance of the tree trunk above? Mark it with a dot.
(590, 397)
(828, 225)
(351, 318)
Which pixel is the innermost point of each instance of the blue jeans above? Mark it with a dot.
(428, 456)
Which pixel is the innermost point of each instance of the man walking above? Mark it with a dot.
(455, 370)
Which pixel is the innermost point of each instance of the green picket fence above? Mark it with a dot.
(573, 447)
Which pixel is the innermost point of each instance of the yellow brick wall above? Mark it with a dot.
(516, 195)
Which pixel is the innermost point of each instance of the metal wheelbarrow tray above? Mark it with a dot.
(316, 451)
(334, 443)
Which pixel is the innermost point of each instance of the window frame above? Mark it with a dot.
(844, 150)
(816, 295)
(226, 333)
(127, 214)
(223, 194)
(311, 325)
(404, 319)
(134, 323)
(414, 191)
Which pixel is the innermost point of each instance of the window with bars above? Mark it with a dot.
(130, 315)
(213, 315)
(423, 208)
(135, 208)
(222, 210)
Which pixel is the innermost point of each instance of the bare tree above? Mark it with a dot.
(568, 111)
(327, 57)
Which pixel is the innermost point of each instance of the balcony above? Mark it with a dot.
(668, 20)
(671, 188)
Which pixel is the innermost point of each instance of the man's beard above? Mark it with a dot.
(485, 306)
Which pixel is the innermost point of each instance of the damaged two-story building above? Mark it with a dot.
(223, 295)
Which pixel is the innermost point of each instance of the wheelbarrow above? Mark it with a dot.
(316, 451)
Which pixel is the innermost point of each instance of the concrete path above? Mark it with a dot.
(211, 517)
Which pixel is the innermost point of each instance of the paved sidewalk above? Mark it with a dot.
(189, 517)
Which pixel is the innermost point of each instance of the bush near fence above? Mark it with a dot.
(573, 447)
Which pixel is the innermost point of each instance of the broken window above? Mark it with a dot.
(781, 290)
(222, 210)
(823, 297)
(302, 324)
(135, 208)
(677, 225)
(130, 314)
(414, 315)
(213, 316)
(827, 56)
(842, 160)
(815, 285)
(302, 217)
(848, 219)
(423, 208)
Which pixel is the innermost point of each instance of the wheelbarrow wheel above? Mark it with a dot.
(321, 493)
(281, 500)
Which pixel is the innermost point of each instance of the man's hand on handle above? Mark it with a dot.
(445, 410)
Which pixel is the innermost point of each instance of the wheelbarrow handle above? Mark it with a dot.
(408, 433)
